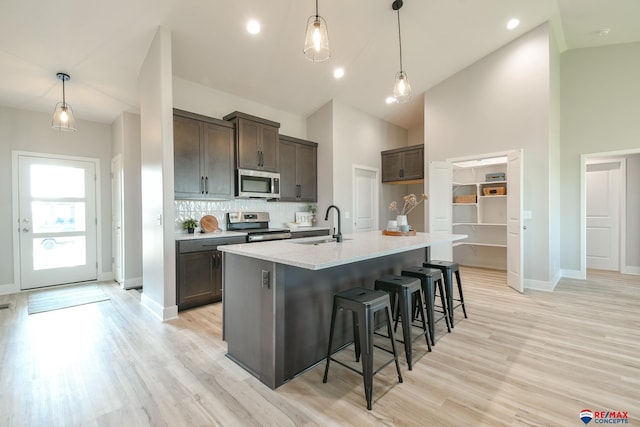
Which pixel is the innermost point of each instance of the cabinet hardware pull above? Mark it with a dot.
(206, 185)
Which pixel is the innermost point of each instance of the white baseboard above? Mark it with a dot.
(556, 279)
(136, 282)
(573, 274)
(162, 313)
(105, 277)
(630, 270)
(9, 288)
(538, 285)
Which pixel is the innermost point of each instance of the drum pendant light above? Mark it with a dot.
(316, 42)
(63, 113)
(401, 87)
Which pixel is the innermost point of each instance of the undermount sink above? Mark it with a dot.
(315, 241)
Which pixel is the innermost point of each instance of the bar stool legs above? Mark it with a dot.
(364, 303)
(448, 268)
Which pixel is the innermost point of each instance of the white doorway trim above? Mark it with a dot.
(15, 208)
(375, 203)
(605, 157)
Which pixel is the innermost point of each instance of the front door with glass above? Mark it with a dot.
(57, 221)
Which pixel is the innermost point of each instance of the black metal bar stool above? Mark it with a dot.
(404, 288)
(430, 278)
(448, 268)
(363, 303)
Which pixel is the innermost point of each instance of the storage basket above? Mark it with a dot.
(496, 176)
(467, 198)
(494, 191)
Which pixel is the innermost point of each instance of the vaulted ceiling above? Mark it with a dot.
(103, 44)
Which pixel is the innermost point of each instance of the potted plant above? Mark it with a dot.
(312, 209)
(190, 225)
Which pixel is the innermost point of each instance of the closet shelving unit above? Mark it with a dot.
(484, 217)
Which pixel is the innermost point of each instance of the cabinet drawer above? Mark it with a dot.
(197, 245)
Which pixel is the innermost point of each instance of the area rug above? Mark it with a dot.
(56, 299)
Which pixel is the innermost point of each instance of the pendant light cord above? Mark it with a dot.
(399, 39)
(317, 10)
(64, 100)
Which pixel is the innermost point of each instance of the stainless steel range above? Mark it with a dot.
(256, 225)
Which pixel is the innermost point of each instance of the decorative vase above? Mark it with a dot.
(403, 225)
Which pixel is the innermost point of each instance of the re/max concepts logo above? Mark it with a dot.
(604, 417)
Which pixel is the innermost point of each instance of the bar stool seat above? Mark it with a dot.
(404, 289)
(448, 268)
(430, 278)
(363, 303)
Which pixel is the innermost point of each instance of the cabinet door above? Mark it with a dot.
(218, 161)
(217, 276)
(195, 279)
(288, 182)
(188, 174)
(269, 148)
(413, 164)
(248, 143)
(306, 173)
(391, 167)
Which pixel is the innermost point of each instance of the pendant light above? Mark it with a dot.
(63, 113)
(401, 88)
(316, 42)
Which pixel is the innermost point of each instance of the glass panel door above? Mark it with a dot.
(57, 221)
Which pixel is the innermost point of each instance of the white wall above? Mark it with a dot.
(126, 141)
(632, 261)
(320, 130)
(210, 102)
(156, 156)
(501, 103)
(358, 138)
(30, 131)
(600, 107)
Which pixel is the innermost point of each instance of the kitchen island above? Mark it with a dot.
(278, 295)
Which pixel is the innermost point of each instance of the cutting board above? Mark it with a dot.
(209, 223)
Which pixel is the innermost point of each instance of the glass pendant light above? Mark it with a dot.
(316, 42)
(63, 113)
(401, 87)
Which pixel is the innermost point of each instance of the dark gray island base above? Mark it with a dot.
(279, 327)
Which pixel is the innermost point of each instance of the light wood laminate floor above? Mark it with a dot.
(532, 359)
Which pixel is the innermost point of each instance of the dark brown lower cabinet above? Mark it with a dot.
(199, 271)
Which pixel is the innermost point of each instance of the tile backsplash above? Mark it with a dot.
(280, 213)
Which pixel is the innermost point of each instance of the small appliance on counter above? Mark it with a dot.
(256, 225)
(304, 219)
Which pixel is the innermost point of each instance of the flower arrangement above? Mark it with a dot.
(410, 203)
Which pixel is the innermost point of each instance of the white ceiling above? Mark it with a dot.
(103, 44)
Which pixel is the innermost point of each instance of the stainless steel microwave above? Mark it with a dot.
(252, 183)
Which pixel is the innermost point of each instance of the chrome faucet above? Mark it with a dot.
(337, 236)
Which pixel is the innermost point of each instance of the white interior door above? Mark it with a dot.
(365, 196)
(116, 218)
(440, 198)
(603, 216)
(514, 221)
(57, 221)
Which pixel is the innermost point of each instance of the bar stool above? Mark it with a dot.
(448, 268)
(404, 288)
(363, 303)
(430, 278)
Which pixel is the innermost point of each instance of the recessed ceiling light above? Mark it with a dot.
(603, 32)
(513, 23)
(253, 26)
(390, 100)
(338, 73)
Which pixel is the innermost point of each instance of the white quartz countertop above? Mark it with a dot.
(355, 247)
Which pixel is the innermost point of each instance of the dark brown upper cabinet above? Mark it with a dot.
(298, 170)
(257, 142)
(403, 165)
(203, 157)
